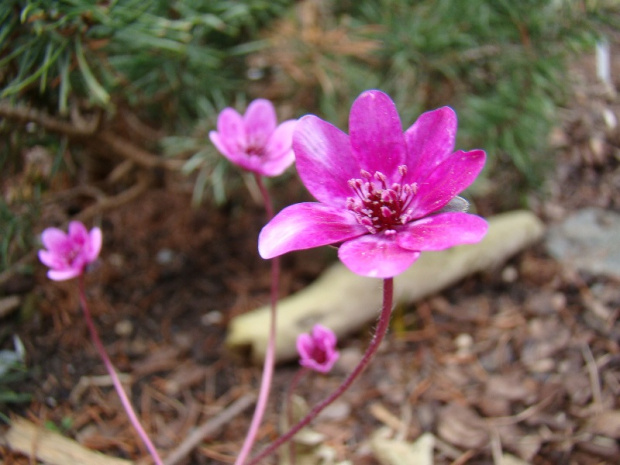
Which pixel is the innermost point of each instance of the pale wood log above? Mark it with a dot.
(52, 448)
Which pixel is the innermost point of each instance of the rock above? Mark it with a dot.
(588, 240)
(345, 302)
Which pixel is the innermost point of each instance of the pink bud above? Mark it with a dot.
(317, 350)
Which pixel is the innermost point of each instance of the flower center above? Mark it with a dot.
(255, 150)
(73, 252)
(379, 207)
(319, 355)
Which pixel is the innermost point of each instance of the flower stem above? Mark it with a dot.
(115, 379)
(270, 354)
(382, 327)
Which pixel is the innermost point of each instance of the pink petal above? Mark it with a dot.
(63, 275)
(306, 225)
(450, 178)
(271, 168)
(376, 133)
(324, 160)
(325, 335)
(235, 155)
(281, 140)
(230, 132)
(219, 143)
(376, 256)
(430, 140)
(94, 246)
(304, 345)
(260, 121)
(54, 239)
(442, 231)
(51, 259)
(78, 234)
(279, 153)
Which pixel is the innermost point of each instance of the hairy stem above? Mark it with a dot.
(114, 376)
(270, 354)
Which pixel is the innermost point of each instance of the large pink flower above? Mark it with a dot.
(384, 195)
(68, 254)
(255, 141)
(317, 350)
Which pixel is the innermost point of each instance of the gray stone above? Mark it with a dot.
(588, 240)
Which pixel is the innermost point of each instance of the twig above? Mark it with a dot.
(595, 381)
(523, 415)
(208, 428)
(81, 128)
(496, 448)
(26, 115)
(130, 151)
(109, 203)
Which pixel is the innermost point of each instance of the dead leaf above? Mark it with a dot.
(462, 427)
(397, 452)
(606, 424)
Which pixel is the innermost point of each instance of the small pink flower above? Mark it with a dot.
(384, 195)
(68, 254)
(255, 141)
(318, 350)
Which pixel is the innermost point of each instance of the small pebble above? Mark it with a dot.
(164, 256)
(510, 274)
(212, 318)
(123, 328)
(464, 342)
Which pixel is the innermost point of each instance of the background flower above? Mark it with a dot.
(317, 350)
(68, 254)
(255, 141)
(381, 191)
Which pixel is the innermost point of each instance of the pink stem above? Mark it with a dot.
(382, 327)
(115, 379)
(270, 354)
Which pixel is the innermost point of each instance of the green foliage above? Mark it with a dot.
(501, 64)
(146, 52)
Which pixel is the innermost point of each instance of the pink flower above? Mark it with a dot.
(255, 141)
(384, 195)
(68, 254)
(318, 350)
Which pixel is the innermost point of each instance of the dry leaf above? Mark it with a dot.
(462, 427)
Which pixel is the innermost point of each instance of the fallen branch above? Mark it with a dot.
(25, 115)
(89, 130)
